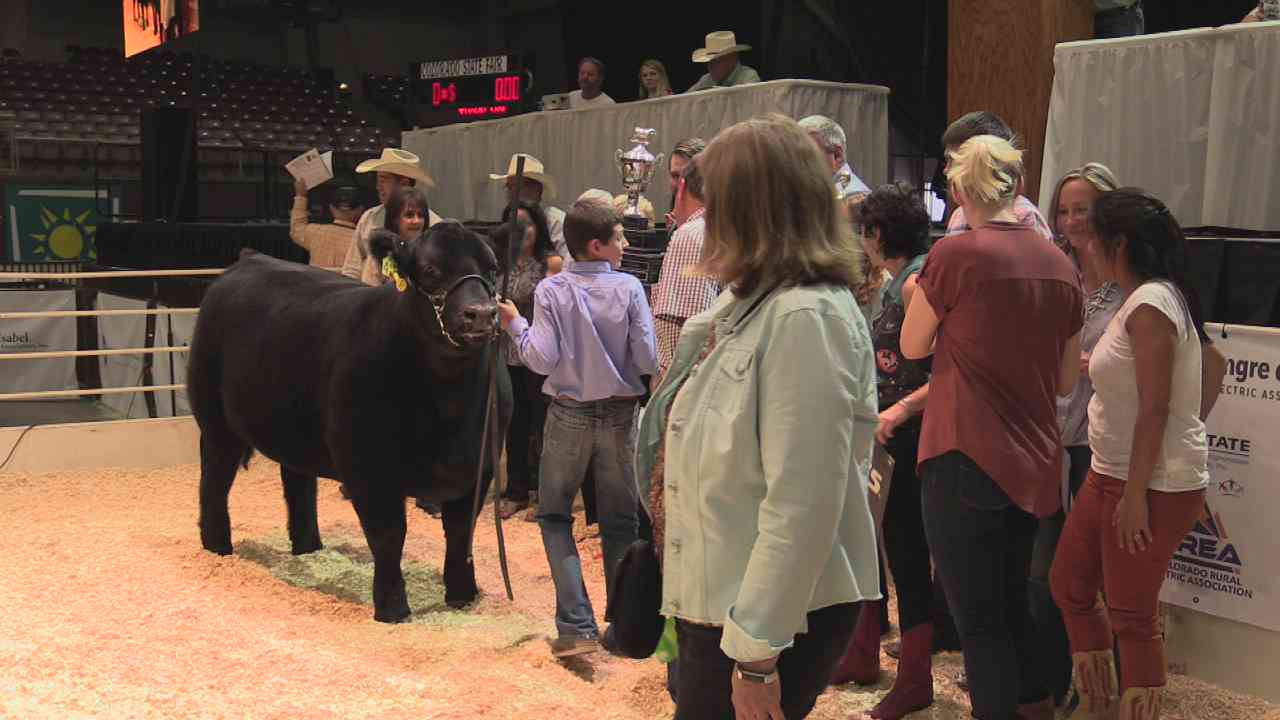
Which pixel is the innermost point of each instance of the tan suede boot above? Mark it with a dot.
(1094, 675)
(1140, 703)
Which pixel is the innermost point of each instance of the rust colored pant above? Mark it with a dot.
(1089, 559)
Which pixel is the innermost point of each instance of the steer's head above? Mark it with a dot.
(452, 271)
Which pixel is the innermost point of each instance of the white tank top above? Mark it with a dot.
(1182, 464)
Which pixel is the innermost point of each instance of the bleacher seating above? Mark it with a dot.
(95, 99)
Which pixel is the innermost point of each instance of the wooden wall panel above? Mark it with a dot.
(1000, 58)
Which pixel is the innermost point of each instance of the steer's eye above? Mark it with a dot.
(430, 272)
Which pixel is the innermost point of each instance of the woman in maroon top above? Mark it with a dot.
(1000, 310)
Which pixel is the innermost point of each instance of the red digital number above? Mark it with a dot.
(443, 93)
(506, 89)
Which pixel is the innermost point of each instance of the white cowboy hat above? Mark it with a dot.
(533, 170)
(721, 42)
(397, 162)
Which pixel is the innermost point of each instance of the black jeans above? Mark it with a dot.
(705, 674)
(1051, 633)
(981, 546)
(524, 435)
(905, 543)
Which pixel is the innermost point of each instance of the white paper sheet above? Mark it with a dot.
(311, 167)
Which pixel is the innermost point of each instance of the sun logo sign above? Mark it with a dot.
(53, 224)
(64, 237)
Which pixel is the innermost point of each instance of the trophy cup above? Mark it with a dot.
(637, 166)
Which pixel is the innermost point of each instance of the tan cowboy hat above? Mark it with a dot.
(533, 170)
(397, 162)
(721, 42)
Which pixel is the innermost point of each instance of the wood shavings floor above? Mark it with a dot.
(110, 609)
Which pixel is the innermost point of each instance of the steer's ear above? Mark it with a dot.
(383, 243)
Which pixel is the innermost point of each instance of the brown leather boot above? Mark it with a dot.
(1140, 703)
(913, 688)
(1094, 675)
(861, 661)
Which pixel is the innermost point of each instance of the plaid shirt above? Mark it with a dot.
(679, 295)
(327, 243)
(1023, 209)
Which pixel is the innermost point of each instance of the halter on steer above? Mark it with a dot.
(439, 299)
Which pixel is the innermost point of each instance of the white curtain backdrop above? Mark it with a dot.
(1192, 116)
(577, 146)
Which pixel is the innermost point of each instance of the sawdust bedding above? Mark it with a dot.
(109, 608)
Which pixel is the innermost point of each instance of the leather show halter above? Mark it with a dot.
(439, 299)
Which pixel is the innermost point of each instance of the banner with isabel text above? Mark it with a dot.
(1229, 564)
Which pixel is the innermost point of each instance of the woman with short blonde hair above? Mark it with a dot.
(1000, 311)
(757, 442)
(653, 80)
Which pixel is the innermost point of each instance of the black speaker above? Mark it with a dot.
(169, 164)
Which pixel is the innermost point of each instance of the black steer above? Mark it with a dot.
(384, 390)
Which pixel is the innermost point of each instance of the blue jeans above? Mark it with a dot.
(982, 546)
(576, 435)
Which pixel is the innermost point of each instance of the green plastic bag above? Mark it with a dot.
(668, 648)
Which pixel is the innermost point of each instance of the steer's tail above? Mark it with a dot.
(244, 459)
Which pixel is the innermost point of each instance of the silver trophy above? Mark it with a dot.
(637, 166)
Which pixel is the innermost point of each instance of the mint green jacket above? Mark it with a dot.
(767, 458)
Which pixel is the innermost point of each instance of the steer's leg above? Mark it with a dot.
(300, 498)
(382, 517)
(218, 462)
(459, 573)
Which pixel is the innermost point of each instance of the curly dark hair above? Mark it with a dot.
(898, 212)
(1156, 249)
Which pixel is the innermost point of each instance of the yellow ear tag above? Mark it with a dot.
(391, 270)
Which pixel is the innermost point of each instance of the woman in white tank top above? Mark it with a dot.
(1155, 377)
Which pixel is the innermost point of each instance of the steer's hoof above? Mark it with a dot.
(307, 547)
(461, 600)
(392, 615)
(217, 547)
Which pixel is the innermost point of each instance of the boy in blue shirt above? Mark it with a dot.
(592, 336)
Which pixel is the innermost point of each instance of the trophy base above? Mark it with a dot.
(635, 222)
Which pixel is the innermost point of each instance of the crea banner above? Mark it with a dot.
(1229, 564)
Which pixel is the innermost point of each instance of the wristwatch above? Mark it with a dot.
(755, 677)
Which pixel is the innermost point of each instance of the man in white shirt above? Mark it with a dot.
(830, 139)
(394, 168)
(537, 183)
(590, 79)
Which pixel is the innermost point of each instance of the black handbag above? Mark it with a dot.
(635, 599)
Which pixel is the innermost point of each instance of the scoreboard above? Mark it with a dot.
(466, 89)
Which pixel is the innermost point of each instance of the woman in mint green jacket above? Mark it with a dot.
(757, 443)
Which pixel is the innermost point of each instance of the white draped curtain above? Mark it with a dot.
(1192, 116)
(578, 146)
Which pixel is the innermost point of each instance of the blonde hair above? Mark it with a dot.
(1096, 174)
(771, 217)
(646, 207)
(873, 275)
(664, 84)
(987, 170)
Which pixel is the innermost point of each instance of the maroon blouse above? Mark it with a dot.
(1007, 302)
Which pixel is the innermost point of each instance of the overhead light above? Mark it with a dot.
(344, 87)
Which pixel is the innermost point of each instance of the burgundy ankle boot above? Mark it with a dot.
(861, 661)
(913, 688)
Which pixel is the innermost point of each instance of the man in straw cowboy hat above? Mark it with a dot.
(537, 185)
(723, 68)
(395, 168)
